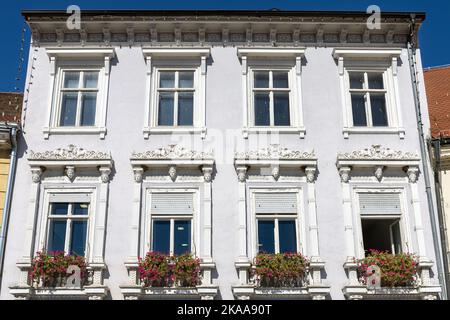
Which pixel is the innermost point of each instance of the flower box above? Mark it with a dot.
(397, 271)
(287, 270)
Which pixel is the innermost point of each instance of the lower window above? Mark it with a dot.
(68, 228)
(382, 235)
(172, 236)
(276, 220)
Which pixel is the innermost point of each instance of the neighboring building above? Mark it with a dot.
(224, 134)
(10, 113)
(437, 82)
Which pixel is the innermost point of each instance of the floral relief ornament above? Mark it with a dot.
(172, 152)
(71, 153)
(275, 152)
(377, 152)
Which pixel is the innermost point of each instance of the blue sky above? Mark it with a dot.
(435, 38)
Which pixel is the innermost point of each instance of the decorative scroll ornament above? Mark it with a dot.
(138, 174)
(275, 152)
(310, 174)
(413, 173)
(207, 173)
(242, 173)
(276, 172)
(344, 172)
(379, 172)
(172, 152)
(70, 172)
(36, 174)
(173, 173)
(104, 174)
(71, 153)
(376, 152)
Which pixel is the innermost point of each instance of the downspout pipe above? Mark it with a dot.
(8, 197)
(425, 160)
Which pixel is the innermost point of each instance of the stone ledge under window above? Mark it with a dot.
(366, 130)
(101, 131)
(274, 130)
(429, 292)
(88, 292)
(247, 292)
(188, 130)
(135, 292)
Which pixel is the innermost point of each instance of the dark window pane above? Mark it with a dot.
(379, 114)
(186, 109)
(165, 110)
(59, 209)
(71, 79)
(56, 236)
(81, 209)
(69, 109)
(90, 79)
(167, 79)
(288, 237)
(375, 80)
(266, 240)
(262, 109)
(78, 238)
(280, 80)
(359, 110)
(161, 236)
(186, 79)
(89, 103)
(356, 80)
(281, 109)
(182, 234)
(377, 234)
(261, 80)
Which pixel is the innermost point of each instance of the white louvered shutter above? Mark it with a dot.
(276, 203)
(172, 204)
(380, 204)
(70, 198)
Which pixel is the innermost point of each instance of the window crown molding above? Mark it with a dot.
(354, 53)
(377, 155)
(176, 52)
(80, 52)
(270, 52)
(172, 152)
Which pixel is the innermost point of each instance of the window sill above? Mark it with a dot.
(88, 292)
(293, 130)
(172, 130)
(361, 292)
(304, 293)
(101, 131)
(138, 292)
(366, 130)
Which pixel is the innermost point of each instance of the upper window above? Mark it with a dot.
(176, 91)
(276, 219)
(177, 94)
(171, 222)
(78, 98)
(68, 228)
(271, 98)
(80, 80)
(368, 99)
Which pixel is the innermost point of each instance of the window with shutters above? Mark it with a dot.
(171, 222)
(381, 222)
(276, 222)
(67, 223)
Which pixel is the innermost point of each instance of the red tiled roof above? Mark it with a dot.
(10, 106)
(437, 83)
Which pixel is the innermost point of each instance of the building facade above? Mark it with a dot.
(438, 90)
(225, 134)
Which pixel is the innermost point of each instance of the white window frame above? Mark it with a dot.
(155, 98)
(272, 59)
(62, 60)
(299, 218)
(405, 233)
(149, 218)
(175, 59)
(43, 227)
(371, 60)
(291, 90)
